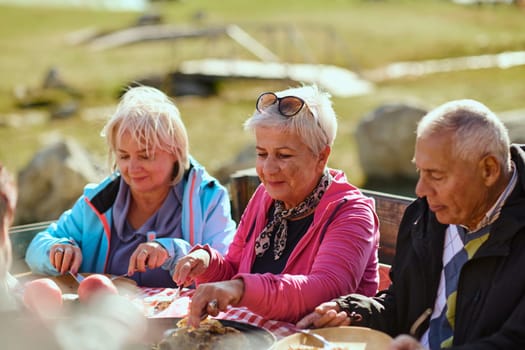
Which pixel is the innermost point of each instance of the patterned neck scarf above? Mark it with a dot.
(278, 224)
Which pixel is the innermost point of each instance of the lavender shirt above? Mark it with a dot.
(166, 222)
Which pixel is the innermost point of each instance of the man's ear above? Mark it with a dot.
(490, 169)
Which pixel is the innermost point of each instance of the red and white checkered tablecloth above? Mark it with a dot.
(239, 314)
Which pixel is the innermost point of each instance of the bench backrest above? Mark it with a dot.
(389, 208)
(21, 236)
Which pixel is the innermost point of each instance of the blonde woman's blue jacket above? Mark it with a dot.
(206, 219)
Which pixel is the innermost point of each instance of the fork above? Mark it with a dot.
(177, 292)
(326, 344)
(119, 276)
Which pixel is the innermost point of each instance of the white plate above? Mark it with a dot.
(348, 338)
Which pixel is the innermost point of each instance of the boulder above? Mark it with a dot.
(515, 123)
(53, 180)
(385, 141)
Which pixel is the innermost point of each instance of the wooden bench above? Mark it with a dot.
(389, 208)
(21, 236)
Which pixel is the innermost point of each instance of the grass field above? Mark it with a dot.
(355, 34)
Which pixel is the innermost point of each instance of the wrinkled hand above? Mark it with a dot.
(190, 266)
(148, 255)
(325, 315)
(211, 298)
(405, 342)
(65, 257)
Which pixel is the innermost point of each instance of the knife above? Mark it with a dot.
(177, 292)
(78, 277)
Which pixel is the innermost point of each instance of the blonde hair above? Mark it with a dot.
(154, 122)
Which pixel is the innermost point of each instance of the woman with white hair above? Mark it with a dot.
(305, 236)
(149, 212)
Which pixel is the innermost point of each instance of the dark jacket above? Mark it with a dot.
(490, 310)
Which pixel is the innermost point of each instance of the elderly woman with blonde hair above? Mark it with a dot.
(23, 327)
(306, 235)
(156, 205)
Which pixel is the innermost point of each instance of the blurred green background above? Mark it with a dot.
(359, 35)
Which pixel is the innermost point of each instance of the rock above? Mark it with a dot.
(149, 19)
(53, 180)
(53, 79)
(515, 123)
(65, 110)
(385, 139)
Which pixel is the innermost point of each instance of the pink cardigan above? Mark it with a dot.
(336, 256)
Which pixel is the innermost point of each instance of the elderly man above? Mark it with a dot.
(457, 278)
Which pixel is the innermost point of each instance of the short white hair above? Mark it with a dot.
(477, 131)
(316, 132)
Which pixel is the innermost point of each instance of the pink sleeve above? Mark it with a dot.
(224, 268)
(339, 258)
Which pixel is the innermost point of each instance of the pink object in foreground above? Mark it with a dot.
(93, 285)
(43, 297)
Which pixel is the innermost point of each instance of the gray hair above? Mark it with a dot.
(316, 132)
(154, 122)
(477, 131)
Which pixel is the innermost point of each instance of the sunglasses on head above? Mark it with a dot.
(288, 105)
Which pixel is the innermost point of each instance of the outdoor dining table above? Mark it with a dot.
(178, 308)
(165, 307)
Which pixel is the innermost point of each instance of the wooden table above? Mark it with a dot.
(178, 308)
(149, 298)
